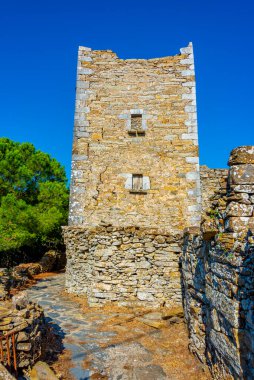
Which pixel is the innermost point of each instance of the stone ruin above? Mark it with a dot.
(23, 332)
(25, 336)
(135, 177)
(218, 274)
(147, 225)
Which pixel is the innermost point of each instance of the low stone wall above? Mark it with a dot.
(218, 273)
(4, 284)
(25, 321)
(127, 265)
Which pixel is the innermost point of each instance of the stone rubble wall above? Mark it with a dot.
(128, 265)
(213, 185)
(4, 284)
(105, 155)
(26, 320)
(218, 278)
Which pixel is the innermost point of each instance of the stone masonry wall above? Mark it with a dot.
(110, 91)
(218, 277)
(213, 185)
(135, 120)
(133, 266)
(22, 323)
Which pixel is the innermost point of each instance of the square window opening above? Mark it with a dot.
(137, 182)
(136, 125)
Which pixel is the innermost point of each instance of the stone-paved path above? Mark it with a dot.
(109, 358)
(68, 321)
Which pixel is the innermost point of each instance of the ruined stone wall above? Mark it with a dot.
(133, 266)
(218, 278)
(213, 185)
(23, 332)
(106, 154)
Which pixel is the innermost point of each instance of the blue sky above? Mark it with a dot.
(39, 42)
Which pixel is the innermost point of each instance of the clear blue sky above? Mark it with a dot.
(39, 42)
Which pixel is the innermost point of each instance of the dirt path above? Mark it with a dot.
(113, 343)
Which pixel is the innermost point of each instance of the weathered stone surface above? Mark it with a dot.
(240, 198)
(227, 350)
(136, 185)
(143, 264)
(223, 305)
(135, 177)
(239, 224)
(20, 300)
(137, 116)
(218, 277)
(4, 374)
(239, 209)
(48, 261)
(176, 311)
(249, 189)
(24, 347)
(26, 322)
(242, 174)
(242, 155)
(213, 183)
(157, 324)
(150, 372)
(225, 240)
(4, 284)
(41, 371)
(22, 337)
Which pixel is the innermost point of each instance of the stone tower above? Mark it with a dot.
(135, 181)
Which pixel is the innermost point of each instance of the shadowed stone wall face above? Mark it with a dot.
(135, 163)
(218, 277)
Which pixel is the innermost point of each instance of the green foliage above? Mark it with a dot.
(214, 213)
(231, 256)
(33, 198)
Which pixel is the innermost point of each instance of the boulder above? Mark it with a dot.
(48, 261)
(41, 371)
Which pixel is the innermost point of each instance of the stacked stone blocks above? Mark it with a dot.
(106, 159)
(109, 91)
(133, 266)
(218, 272)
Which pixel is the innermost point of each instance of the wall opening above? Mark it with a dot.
(136, 125)
(137, 182)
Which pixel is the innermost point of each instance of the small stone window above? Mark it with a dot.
(136, 125)
(137, 184)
